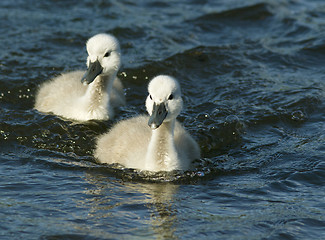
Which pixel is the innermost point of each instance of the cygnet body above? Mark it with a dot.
(164, 145)
(87, 95)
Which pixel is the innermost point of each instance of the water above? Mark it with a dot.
(252, 75)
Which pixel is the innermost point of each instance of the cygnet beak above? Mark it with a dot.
(93, 71)
(159, 113)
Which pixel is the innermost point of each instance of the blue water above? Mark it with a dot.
(252, 75)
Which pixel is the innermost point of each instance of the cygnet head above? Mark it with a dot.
(104, 56)
(164, 102)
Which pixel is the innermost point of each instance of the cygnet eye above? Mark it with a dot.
(107, 54)
(171, 97)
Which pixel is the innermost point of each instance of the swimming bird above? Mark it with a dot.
(157, 142)
(87, 95)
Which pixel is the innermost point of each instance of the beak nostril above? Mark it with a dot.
(94, 69)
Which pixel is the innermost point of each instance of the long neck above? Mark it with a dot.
(162, 154)
(97, 94)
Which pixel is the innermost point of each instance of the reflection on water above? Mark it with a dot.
(135, 200)
(159, 200)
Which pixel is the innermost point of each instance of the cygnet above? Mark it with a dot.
(93, 94)
(157, 142)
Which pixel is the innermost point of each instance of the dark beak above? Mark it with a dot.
(158, 115)
(93, 71)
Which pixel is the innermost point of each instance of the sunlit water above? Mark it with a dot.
(252, 76)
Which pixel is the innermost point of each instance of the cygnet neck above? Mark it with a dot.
(97, 94)
(161, 153)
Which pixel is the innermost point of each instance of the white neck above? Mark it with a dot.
(161, 153)
(97, 96)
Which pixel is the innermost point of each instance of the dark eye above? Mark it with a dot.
(150, 97)
(171, 96)
(107, 54)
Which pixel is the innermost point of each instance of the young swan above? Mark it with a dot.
(84, 96)
(165, 147)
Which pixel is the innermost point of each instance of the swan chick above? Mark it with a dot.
(93, 94)
(157, 142)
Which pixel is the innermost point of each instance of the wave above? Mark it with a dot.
(257, 12)
(247, 16)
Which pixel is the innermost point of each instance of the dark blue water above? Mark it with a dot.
(252, 76)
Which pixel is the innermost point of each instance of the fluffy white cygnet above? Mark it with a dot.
(87, 95)
(164, 145)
